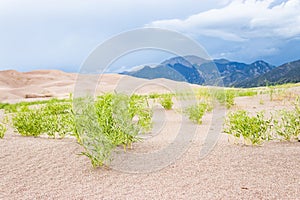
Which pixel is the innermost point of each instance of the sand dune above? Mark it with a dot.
(18, 86)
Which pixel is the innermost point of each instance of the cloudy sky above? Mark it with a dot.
(53, 34)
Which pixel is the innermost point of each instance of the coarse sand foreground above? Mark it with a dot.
(38, 168)
(41, 168)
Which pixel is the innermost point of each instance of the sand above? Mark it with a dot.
(41, 168)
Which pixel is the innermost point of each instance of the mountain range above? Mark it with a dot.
(220, 72)
(286, 73)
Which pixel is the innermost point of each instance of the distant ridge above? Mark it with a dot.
(286, 73)
(196, 70)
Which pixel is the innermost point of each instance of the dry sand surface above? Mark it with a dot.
(44, 84)
(41, 168)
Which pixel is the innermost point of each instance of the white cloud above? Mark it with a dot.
(242, 20)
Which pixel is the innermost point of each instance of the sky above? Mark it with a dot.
(52, 34)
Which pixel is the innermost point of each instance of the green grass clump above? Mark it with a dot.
(2, 130)
(99, 125)
(203, 93)
(28, 123)
(139, 108)
(224, 97)
(246, 93)
(108, 122)
(4, 105)
(253, 129)
(166, 101)
(22, 106)
(283, 125)
(92, 137)
(287, 124)
(115, 119)
(58, 119)
(196, 112)
(51, 119)
(287, 127)
(154, 95)
(229, 98)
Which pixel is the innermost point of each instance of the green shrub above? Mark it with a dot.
(224, 97)
(4, 105)
(166, 101)
(2, 130)
(271, 92)
(99, 126)
(196, 112)
(57, 119)
(283, 125)
(139, 107)
(203, 93)
(28, 123)
(245, 92)
(107, 123)
(287, 124)
(154, 95)
(115, 119)
(97, 146)
(23, 106)
(254, 129)
(50, 119)
(229, 98)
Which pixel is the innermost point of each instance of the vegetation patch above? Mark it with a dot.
(283, 125)
(287, 123)
(52, 119)
(2, 130)
(166, 101)
(251, 129)
(115, 120)
(109, 122)
(196, 112)
(21, 106)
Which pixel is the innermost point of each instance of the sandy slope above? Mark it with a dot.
(39, 168)
(17, 86)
